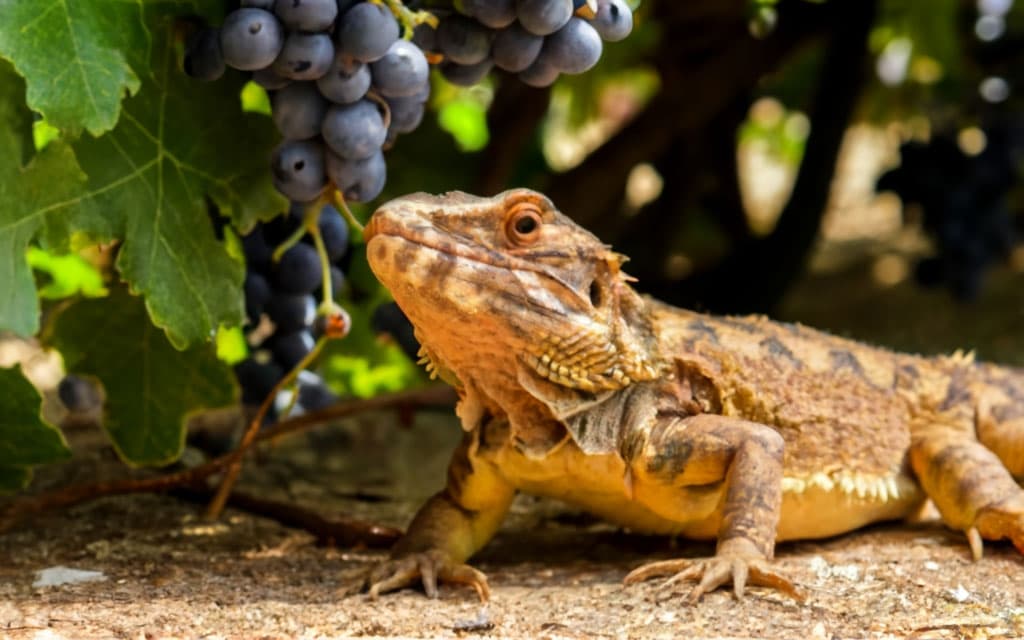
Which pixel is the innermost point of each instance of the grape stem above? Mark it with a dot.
(407, 17)
(310, 217)
(338, 199)
(234, 465)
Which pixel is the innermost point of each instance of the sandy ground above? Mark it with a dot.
(555, 573)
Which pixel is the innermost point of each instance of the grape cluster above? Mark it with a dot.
(343, 85)
(963, 204)
(536, 39)
(286, 294)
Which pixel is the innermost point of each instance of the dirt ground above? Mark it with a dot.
(555, 573)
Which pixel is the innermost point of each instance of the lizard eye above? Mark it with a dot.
(524, 224)
(596, 297)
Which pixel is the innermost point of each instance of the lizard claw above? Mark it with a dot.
(1004, 519)
(427, 566)
(710, 573)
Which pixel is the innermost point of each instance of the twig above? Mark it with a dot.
(68, 496)
(338, 198)
(340, 531)
(234, 466)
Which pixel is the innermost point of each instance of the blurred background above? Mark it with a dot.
(851, 164)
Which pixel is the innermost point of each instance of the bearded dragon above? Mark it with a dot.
(663, 420)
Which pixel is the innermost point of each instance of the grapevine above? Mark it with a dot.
(346, 79)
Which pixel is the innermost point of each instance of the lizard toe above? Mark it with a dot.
(429, 567)
(712, 573)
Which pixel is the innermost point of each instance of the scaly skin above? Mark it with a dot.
(743, 430)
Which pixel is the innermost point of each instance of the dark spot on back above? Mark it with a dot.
(842, 359)
(957, 392)
(906, 376)
(777, 350)
(703, 330)
(791, 327)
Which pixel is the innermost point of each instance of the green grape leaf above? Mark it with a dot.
(178, 146)
(25, 439)
(33, 198)
(15, 118)
(72, 53)
(151, 387)
(82, 57)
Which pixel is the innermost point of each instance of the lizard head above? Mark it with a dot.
(518, 274)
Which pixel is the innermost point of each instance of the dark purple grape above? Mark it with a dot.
(574, 48)
(298, 271)
(366, 31)
(359, 180)
(298, 169)
(257, 379)
(78, 394)
(354, 130)
(496, 14)
(345, 5)
(305, 56)
(251, 39)
(269, 80)
(402, 70)
(307, 15)
(316, 396)
(278, 229)
(539, 74)
(290, 348)
(346, 81)
(334, 231)
(515, 48)
(466, 75)
(203, 58)
(463, 40)
(299, 110)
(406, 113)
(257, 293)
(291, 311)
(614, 20)
(424, 36)
(388, 318)
(544, 17)
(257, 251)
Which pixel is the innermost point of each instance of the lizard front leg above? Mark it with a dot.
(743, 461)
(447, 530)
(973, 490)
